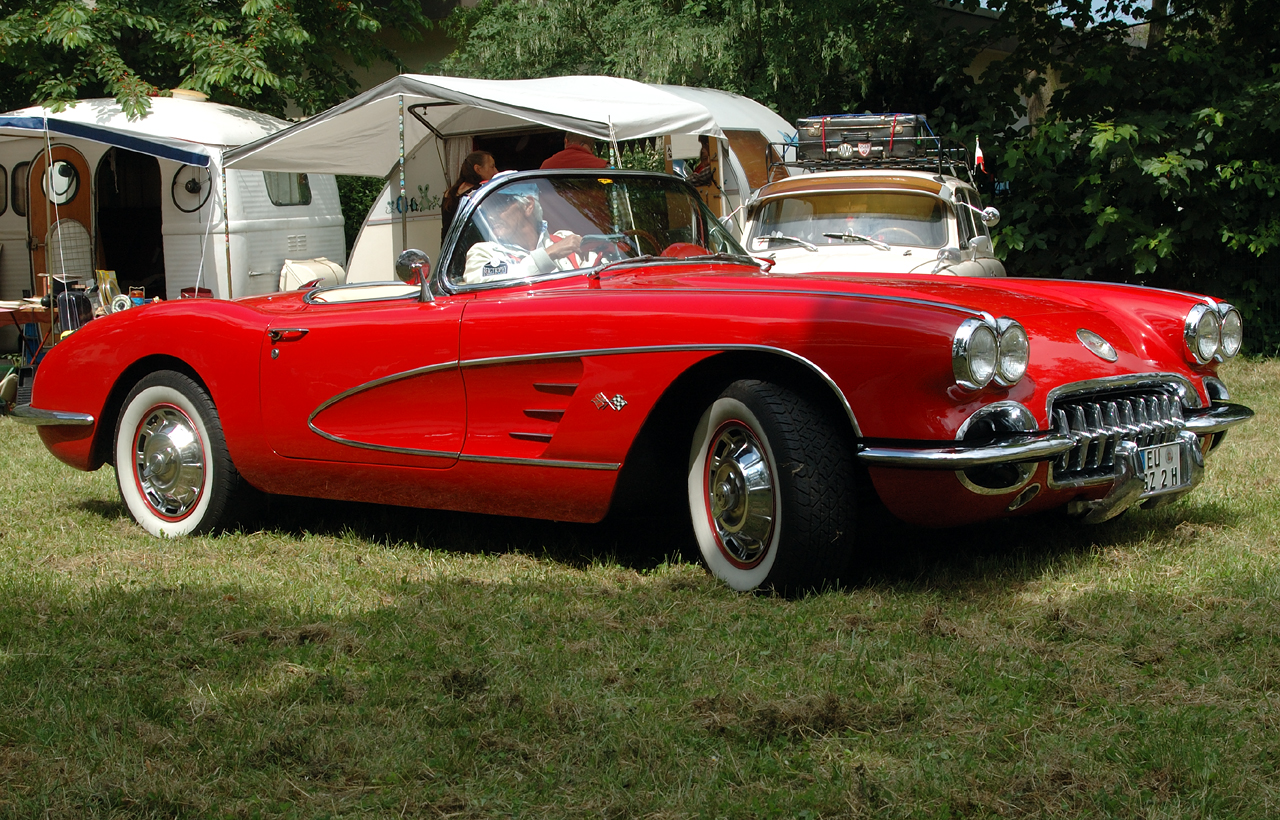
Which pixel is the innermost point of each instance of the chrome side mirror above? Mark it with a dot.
(414, 267)
(946, 258)
(989, 216)
(981, 244)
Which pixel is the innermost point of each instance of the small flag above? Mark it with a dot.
(978, 161)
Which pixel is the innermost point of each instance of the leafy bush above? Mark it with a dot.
(357, 195)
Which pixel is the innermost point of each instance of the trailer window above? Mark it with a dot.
(287, 189)
(4, 190)
(20, 173)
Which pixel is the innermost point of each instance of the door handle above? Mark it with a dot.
(287, 334)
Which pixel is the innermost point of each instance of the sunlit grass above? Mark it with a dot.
(349, 660)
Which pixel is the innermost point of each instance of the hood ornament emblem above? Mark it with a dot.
(1097, 345)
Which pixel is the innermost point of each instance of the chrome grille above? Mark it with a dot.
(1097, 421)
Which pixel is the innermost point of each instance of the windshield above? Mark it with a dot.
(528, 228)
(894, 218)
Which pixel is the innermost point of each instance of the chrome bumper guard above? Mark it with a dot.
(1012, 450)
(1215, 418)
(27, 414)
(1128, 487)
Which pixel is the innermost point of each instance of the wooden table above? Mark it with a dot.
(40, 316)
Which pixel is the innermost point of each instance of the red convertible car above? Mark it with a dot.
(589, 339)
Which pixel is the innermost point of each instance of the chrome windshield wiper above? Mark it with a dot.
(795, 240)
(857, 237)
(617, 263)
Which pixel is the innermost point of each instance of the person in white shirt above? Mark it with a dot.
(520, 246)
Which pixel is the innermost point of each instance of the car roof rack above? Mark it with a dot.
(860, 142)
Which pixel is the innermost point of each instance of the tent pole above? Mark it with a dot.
(226, 231)
(613, 145)
(403, 203)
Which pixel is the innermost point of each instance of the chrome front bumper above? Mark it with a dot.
(1016, 449)
(27, 414)
(1026, 447)
(1126, 478)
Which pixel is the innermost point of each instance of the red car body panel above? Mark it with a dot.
(527, 400)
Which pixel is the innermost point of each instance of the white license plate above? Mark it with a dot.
(1162, 468)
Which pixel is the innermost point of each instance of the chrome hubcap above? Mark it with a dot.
(169, 461)
(740, 490)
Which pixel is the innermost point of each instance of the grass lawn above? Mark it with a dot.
(357, 661)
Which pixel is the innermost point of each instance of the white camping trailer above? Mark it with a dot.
(144, 198)
(434, 122)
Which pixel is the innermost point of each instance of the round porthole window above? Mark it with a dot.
(61, 183)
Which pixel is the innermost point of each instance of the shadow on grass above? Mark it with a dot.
(638, 544)
(1008, 552)
(1020, 549)
(107, 510)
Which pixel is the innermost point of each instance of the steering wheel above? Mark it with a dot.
(609, 247)
(646, 236)
(905, 237)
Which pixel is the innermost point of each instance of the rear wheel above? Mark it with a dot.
(172, 466)
(771, 490)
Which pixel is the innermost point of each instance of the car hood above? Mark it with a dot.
(1144, 325)
(861, 259)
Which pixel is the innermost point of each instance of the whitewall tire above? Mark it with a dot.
(770, 489)
(172, 467)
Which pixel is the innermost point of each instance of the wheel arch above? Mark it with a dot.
(661, 447)
(134, 373)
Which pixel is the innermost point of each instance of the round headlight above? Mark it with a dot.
(1232, 331)
(974, 353)
(1203, 333)
(1015, 351)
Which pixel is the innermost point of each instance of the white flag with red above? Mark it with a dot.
(978, 161)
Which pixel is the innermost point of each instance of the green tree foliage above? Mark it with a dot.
(1151, 159)
(356, 194)
(259, 54)
(1158, 160)
(799, 56)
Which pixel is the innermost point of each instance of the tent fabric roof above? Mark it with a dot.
(735, 112)
(174, 118)
(354, 137)
(34, 127)
(177, 129)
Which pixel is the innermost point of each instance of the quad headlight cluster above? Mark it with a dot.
(1213, 332)
(985, 350)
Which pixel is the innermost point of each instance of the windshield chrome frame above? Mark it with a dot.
(441, 284)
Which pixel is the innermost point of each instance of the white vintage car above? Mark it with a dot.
(871, 199)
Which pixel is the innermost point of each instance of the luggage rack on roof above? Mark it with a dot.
(879, 142)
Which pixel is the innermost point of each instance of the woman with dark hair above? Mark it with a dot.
(477, 169)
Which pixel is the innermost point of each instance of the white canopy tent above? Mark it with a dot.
(361, 136)
(428, 123)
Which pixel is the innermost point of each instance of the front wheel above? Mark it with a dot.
(771, 490)
(172, 466)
